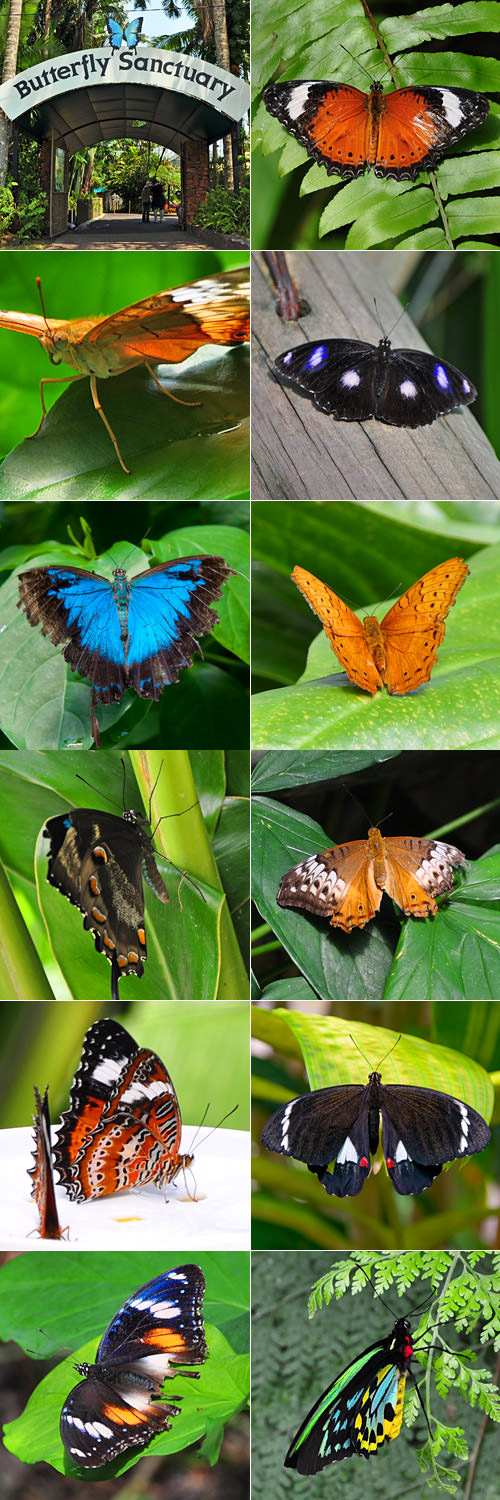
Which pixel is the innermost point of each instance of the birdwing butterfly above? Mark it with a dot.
(399, 651)
(165, 328)
(41, 1173)
(361, 1410)
(421, 1130)
(352, 381)
(156, 1331)
(126, 633)
(123, 1125)
(398, 134)
(346, 883)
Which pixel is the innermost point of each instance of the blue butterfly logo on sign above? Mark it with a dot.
(128, 37)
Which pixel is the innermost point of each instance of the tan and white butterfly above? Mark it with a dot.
(346, 883)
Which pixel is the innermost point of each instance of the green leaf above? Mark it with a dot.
(331, 1051)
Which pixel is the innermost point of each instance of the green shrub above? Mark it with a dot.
(7, 209)
(226, 212)
(31, 212)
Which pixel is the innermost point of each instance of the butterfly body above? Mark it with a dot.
(41, 1173)
(123, 1126)
(421, 1129)
(352, 381)
(400, 651)
(346, 882)
(95, 860)
(116, 1406)
(361, 1410)
(398, 134)
(126, 633)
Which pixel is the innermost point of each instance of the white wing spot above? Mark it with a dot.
(407, 388)
(350, 379)
(297, 101)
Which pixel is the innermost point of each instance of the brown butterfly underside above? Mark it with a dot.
(346, 883)
(165, 328)
(399, 651)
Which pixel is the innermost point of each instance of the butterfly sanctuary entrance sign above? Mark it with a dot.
(182, 103)
(174, 71)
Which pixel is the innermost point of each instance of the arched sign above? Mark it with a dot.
(174, 71)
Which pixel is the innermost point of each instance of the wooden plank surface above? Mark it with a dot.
(300, 453)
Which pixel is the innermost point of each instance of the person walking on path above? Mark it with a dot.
(157, 199)
(146, 201)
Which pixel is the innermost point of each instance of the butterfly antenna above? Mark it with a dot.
(40, 294)
(100, 793)
(196, 1140)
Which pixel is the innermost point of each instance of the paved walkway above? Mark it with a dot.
(127, 232)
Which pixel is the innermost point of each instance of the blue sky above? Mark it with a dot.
(155, 21)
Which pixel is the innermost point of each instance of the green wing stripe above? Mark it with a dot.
(331, 1395)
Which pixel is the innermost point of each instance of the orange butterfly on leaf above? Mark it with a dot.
(346, 883)
(165, 328)
(399, 651)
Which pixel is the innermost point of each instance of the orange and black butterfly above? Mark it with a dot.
(165, 328)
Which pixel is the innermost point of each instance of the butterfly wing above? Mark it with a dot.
(123, 1126)
(43, 1181)
(133, 31)
(169, 607)
(422, 1129)
(339, 374)
(417, 870)
(115, 32)
(329, 119)
(413, 387)
(162, 1319)
(324, 1126)
(95, 859)
(79, 605)
(417, 125)
(361, 1411)
(168, 326)
(338, 883)
(345, 632)
(100, 1418)
(414, 627)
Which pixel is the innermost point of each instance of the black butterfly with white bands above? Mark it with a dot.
(421, 1130)
(353, 381)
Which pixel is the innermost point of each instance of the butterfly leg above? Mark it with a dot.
(49, 380)
(169, 393)
(109, 429)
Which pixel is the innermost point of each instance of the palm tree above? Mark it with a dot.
(8, 71)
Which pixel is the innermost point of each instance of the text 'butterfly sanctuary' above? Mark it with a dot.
(122, 633)
(421, 1130)
(118, 1405)
(123, 1126)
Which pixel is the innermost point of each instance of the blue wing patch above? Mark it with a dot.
(132, 32)
(123, 633)
(115, 32)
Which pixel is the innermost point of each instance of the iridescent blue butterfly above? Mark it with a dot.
(129, 37)
(123, 632)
